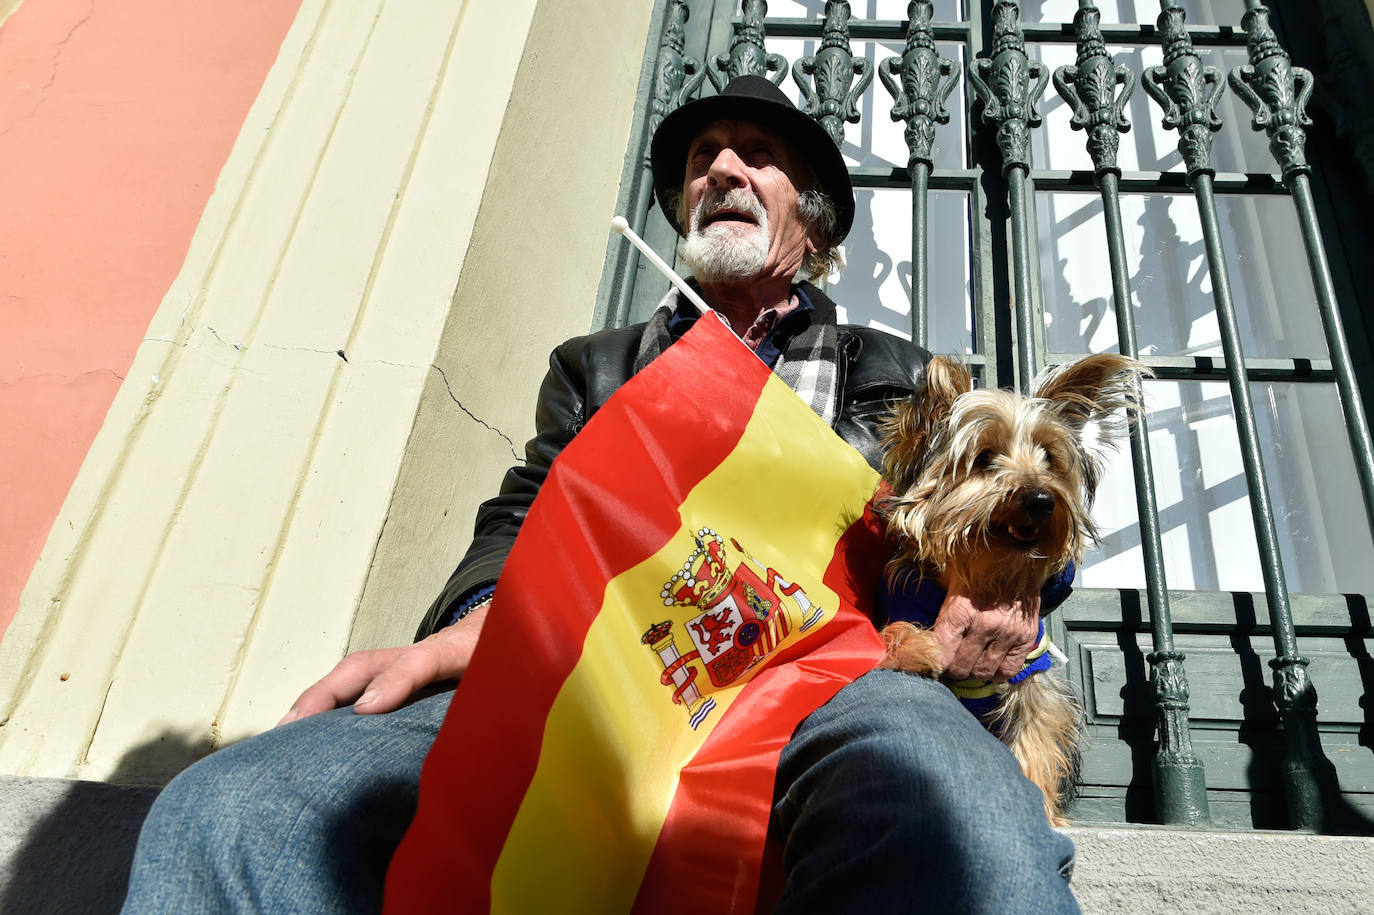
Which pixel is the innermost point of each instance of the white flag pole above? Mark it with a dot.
(620, 225)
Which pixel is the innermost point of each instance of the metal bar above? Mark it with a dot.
(1210, 35)
(1214, 368)
(895, 29)
(864, 29)
(920, 254)
(1188, 92)
(1255, 184)
(1021, 279)
(1003, 84)
(1097, 90)
(985, 195)
(1278, 92)
(1294, 695)
(926, 80)
(630, 273)
(1357, 423)
(676, 78)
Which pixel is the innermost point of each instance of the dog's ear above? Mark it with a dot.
(1094, 387)
(906, 432)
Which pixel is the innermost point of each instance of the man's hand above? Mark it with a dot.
(986, 642)
(383, 679)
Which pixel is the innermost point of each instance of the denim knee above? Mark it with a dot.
(302, 818)
(893, 787)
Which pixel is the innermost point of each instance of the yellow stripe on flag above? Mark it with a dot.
(614, 739)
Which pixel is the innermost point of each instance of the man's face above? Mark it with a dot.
(740, 194)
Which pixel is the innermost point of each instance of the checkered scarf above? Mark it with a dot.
(808, 365)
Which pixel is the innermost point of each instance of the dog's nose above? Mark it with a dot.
(1038, 503)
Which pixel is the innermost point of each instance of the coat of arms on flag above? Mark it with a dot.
(746, 612)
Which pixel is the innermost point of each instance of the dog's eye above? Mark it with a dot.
(984, 460)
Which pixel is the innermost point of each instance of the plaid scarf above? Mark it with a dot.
(808, 364)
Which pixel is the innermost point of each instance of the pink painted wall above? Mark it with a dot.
(115, 120)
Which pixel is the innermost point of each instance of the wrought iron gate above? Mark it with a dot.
(1020, 227)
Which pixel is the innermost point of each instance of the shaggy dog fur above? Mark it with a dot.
(991, 495)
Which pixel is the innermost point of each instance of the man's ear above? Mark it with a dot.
(907, 431)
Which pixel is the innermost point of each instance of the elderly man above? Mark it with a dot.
(889, 796)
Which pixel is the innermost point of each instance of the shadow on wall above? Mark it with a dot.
(65, 846)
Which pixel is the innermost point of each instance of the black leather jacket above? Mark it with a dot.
(875, 368)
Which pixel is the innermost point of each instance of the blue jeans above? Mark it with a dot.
(891, 797)
(302, 818)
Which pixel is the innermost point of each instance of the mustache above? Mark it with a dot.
(736, 200)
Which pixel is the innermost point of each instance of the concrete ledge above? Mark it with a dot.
(65, 846)
(1164, 870)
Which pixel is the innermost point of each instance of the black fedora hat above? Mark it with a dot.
(756, 99)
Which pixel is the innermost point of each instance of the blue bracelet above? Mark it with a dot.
(474, 600)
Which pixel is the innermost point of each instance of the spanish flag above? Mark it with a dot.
(683, 593)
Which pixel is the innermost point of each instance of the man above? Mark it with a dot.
(891, 795)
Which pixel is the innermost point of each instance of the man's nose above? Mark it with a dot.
(727, 170)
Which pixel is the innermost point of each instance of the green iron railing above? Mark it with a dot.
(1091, 87)
(926, 80)
(1187, 91)
(1006, 85)
(677, 78)
(1002, 84)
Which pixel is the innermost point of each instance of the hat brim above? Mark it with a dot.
(668, 151)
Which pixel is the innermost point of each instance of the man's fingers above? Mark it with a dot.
(345, 683)
(957, 653)
(989, 664)
(1011, 665)
(967, 654)
(425, 663)
(435, 659)
(383, 679)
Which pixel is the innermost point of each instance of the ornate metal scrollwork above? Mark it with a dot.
(1293, 690)
(1276, 91)
(676, 76)
(1003, 84)
(748, 56)
(1169, 688)
(832, 69)
(927, 79)
(1296, 699)
(1097, 89)
(1187, 92)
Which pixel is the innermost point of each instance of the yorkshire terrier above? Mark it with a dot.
(989, 493)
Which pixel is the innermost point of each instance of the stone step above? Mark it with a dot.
(1153, 869)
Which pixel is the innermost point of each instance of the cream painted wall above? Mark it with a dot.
(285, 448)
(529, 282)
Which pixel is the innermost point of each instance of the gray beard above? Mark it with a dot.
(719, 253)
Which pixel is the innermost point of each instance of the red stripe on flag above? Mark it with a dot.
(475, 778)
(709, 854)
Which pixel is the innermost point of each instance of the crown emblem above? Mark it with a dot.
(702, 577)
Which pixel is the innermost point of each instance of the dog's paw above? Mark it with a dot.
(912, 649)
